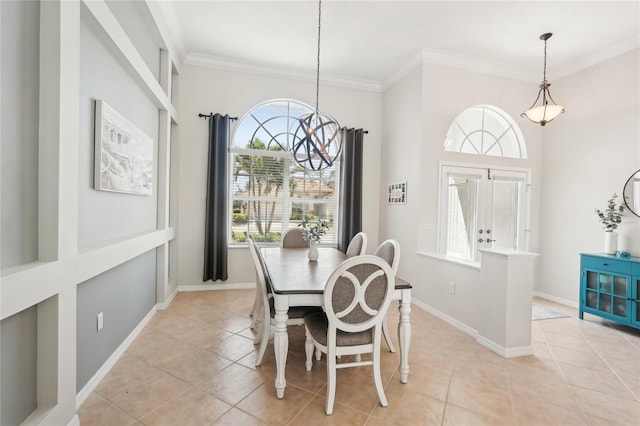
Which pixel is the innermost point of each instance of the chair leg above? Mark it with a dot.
(308, 349)
(257, 302)
(264, 339)
(387, 335)
(318, 354)
(377, 378)
(331, 383)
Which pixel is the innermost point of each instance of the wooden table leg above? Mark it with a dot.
(404, 335)
(281, 343)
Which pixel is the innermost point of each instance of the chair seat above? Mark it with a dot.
(317, 324)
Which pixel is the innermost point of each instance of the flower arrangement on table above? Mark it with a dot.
(313, 231)
(612, 215)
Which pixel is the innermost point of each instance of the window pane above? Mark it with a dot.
(462, 215)
(505, 213)
(270, 192)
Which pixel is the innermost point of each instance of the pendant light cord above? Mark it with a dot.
(318, 61)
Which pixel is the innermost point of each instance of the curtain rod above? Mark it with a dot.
(210, 114)
(346, 128)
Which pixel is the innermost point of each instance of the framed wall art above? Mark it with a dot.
(397, 193)
(123, 154)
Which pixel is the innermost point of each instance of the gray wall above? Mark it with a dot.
(136, 22)
(18, 371)
(19, 168)
(106, 216)
(124, 295)
(19, 51)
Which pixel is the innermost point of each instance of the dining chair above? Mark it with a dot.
(389, 250)
(292, 238)
(257, 301)
(266, 311)
(356, 298)
(357, 245)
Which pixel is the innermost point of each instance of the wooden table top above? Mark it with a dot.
(292, 273)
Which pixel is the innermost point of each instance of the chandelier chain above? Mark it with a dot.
(318, 60)
(544, 71)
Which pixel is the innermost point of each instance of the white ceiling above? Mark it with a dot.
(372, 42)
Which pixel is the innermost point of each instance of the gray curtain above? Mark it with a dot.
(215, 230)
(350, 213)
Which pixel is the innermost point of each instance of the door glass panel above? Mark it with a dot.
(592, 299)
(606, 281)
(462, 215)
(504, 225)
(605, 303)
(620, 286)
(592, 280)
(620, 307)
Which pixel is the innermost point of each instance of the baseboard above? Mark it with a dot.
(487, 343)
(207, 287)
(82, 396)
(502, 351)
(446, 318)
(556, 299)
(165, 304)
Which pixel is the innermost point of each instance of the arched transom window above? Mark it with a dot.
(485, 130)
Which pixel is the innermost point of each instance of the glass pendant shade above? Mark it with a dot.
(547, 110)
(317, 141)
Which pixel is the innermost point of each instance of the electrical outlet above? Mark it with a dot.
(100, 321)
(452, 287)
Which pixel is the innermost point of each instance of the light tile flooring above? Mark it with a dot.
(193, 364)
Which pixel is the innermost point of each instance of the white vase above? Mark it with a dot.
(610, 242)
(313, 251)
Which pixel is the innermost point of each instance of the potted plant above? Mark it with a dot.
(313, 231)
(611, 218)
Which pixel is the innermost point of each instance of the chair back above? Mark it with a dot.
(263, 283)
(358, 245)
(389, 250)
(292, 238)
(357, 296)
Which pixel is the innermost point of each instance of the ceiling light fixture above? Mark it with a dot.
(547, 110)
(317, 141)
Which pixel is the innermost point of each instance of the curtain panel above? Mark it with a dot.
(215, 230)
(350, 210)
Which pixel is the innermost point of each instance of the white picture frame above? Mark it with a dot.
(397, 193)
(123, 154)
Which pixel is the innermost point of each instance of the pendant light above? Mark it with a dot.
(547, 110)
(317, 141)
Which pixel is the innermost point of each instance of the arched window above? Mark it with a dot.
(269, 191)
(485, 130)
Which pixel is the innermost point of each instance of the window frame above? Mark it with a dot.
(287, 200)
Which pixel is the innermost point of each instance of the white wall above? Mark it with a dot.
(418, 112)
(205, 90)
(589, 153)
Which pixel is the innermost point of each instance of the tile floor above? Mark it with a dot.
(193, 364)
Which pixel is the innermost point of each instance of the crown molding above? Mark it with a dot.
(209, 61)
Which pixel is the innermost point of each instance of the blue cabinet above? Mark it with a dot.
(610, 287)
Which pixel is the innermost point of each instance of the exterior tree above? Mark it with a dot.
(266, 179)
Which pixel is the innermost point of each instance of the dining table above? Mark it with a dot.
(297, 281)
